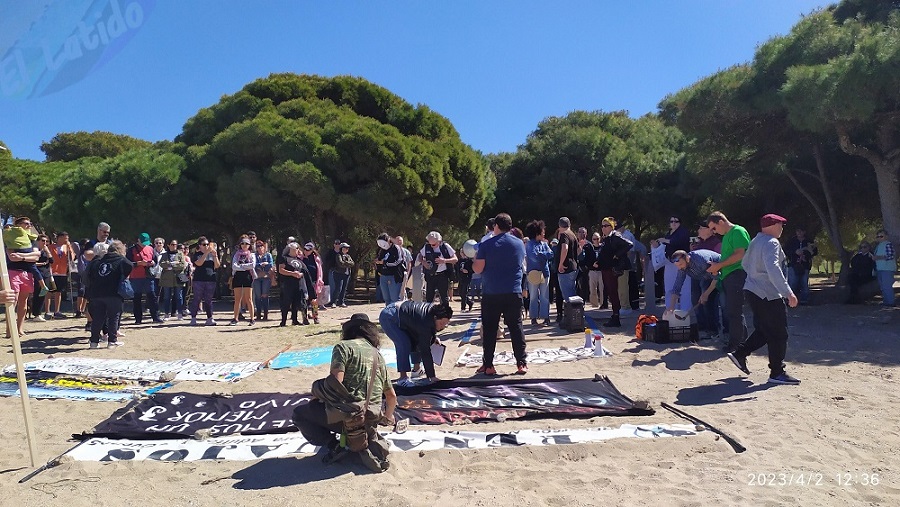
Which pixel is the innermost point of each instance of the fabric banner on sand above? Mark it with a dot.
(319, 356)
(176, 415)
(245, 448)
(536, 356)
(141, 369)
(50, 386)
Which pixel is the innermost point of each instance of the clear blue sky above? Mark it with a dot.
(494, 68)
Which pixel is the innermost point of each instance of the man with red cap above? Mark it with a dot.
(765, 290)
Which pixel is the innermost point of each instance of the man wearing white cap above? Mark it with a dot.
(438, 259)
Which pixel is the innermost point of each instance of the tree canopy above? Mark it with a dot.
(69, 146)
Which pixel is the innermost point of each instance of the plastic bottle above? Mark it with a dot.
(588, 338)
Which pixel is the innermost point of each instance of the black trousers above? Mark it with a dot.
(105, 312)
(769, 328)
(733, 285)
(509, 306)
(464, 297)
(311, 420)
(438, 282)
(293, 300)
(634, 298)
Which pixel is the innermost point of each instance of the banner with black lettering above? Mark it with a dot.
(178, 415)
(244, 448)
(480, 400)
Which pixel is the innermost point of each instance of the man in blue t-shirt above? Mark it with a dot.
(500, 260)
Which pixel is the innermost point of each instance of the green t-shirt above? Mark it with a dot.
(354, 358)
(736, 238)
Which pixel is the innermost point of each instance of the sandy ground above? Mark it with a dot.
(842, 419)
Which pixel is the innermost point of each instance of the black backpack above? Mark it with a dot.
(445, 253)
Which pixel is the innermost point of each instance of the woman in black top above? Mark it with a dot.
(612, 259)
(296, 284)
(105, 275)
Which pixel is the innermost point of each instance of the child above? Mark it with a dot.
(19, 240)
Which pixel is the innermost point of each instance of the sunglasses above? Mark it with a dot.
(674, 221)
(204, 244)
(880, 236)
(173, 244)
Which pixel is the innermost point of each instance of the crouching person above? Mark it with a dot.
(347, 404)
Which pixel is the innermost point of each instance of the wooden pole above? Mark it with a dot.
(12, 323)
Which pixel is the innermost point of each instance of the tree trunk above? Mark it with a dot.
(886, 165)
(836, 239)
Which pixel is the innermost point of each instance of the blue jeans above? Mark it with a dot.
(707, 314)
(390, 289)
(567, 284)
(340, 282)
(332, 288)
(539, 307)
(798, 279)
(168, 293)
(886, 283)
(261, 287)
(390, 324)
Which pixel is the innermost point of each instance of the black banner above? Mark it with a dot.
(481, 400)
(179, 415)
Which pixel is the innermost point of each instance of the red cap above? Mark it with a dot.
(771, 219)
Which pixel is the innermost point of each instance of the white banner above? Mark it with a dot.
(536, 356)
(142, 369)
(244, 448)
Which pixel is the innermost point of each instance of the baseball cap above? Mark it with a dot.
(144, 238)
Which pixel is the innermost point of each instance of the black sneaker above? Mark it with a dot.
(784, 379)
(740, 362)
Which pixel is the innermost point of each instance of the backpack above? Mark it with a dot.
(445, 253)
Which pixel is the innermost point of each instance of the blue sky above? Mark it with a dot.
(494, 68)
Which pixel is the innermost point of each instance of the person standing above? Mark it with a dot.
(731, 273)
(537, 266)
(628, 280)
(678, 238)
(143, 257)
(203, 285)
(464, 279)
(567, 267)
(407, 267)
(589, 260)
(885, 266)
(694, 265)
(61, 256)
(800, 253)
(296, 285)
(329, 266)
(389, 264)
(243, 269)
(500, 260)
(343, 268)
(613, 260)
(438, 259)
(105, 303)
(766, 289)
(171, 279)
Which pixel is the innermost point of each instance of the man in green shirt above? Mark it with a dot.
(735, 240)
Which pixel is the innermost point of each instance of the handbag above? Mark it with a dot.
(355, 429)
(535, 277)
(183, 277)
(126, 291)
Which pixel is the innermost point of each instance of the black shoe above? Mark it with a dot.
(784, 379)
(613, 322)
(740, 362)
(604, 307)
(283, 323)
(534, 322)
(295, 322)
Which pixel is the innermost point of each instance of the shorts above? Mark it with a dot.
(61, 281)
(242, 279)
(21, 281)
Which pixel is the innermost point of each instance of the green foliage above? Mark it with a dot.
(25, 185)
(70, 146)
(588, 165)
(326, 155)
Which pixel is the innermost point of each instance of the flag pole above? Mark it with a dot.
(12, 324)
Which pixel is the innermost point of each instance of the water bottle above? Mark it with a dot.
(588, 338)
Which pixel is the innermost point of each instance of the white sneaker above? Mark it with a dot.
(420, 372)
(112, 345)
(210, 322)
(180, 316)
(40, 318)
(165, 319)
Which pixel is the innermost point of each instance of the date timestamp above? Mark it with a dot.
(843, 480)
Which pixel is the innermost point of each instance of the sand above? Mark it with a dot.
(842, 419)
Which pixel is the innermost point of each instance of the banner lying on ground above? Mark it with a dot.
(141, 369)
(274, 446)
(51, 386)
(493, 399)
(319, 356)
(537, 356)
(175, 415)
